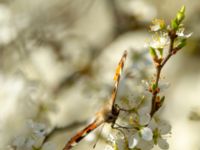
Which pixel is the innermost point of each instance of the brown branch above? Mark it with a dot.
(171, 51)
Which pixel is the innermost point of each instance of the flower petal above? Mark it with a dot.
(147, 134)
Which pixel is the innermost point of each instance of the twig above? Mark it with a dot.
(172, 36)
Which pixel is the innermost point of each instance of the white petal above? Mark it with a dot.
(155, 27)
(133, 142)
(145, 145)
(164, 127)
(153, 124)
(144, 110)
(147, 134)
(188, 35)
(144, 119)
(162, 143)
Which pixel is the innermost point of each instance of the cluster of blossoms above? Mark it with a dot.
(141, 131)
(143, 128)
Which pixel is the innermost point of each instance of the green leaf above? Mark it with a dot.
(182, 43)
(160, 51)
(162, 99)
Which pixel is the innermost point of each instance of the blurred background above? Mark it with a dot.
(57, 60)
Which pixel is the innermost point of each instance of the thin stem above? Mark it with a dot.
(155, 92)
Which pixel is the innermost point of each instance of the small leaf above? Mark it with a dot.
(162, 99)
(153, 53)
(182, 43)
(160, 51)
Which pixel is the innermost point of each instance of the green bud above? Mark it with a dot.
(179, 18)
(182, 10)
(153, 86)
(153, 53)
(180, 15)
(174, 24)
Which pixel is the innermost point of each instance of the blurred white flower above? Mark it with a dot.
(141, 9)
(7, 30)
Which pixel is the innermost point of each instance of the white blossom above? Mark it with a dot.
(159, 41)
